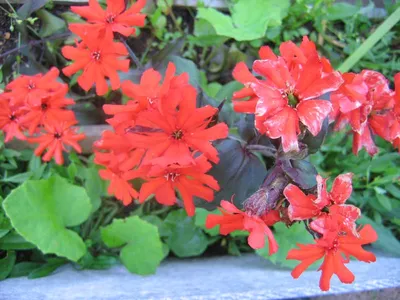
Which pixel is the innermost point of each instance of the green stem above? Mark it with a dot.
(371, 41)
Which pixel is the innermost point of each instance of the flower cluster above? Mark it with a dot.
(36, 105)
(161, 137)
(366, 102)
(333, 221)
(327, 217)
(96, 54)
(290, 93)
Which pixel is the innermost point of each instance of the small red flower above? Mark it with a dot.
(189, 180)
(30, 89)
(98, 58)
(170, 138)
(336, 254)
(119, 184)
(149, 95)
(49, 107)
(10, 119)
(233, 219)
(114, 19)
(54, 139)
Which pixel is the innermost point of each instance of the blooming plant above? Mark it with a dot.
(169, 144)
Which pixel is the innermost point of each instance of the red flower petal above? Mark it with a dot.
(312, 114)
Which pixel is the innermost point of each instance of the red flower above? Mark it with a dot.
(119, 184)
(148, 95)
(290, 94)
(333, 252)
(10, 119)
(114, 19)
(98, 58)
(49, 107)
(394, 133)
(30, 89)
(188, 180)
(332, 214)
(55, 138)
(170, 138)
(233, 219)
(365, 102)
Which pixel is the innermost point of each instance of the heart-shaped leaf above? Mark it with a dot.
(40, 211)
(239, 173)
(246, 23)
(185, 239)
(142, 248)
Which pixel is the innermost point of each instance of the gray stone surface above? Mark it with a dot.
(246, 277)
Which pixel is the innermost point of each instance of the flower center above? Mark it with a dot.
(44, 106)
(292, 100)
(335, 245)
(12, 117)
(96, 55)
(171, 176)
(31, 86)
(57, 135)
(290, 95)
(110, 18)
(178, 134)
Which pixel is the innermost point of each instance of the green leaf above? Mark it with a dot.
(18, 178)
(246, 23)
(205, 35)
(51, 24)
(384, 201)
(239, 173)
(394, 190)
(24, 268)
(341, 11)
(13, 241)
(40, 211)
(7, 264)
(200, 220)
(386, 240)
(29, 7)
(47, 269)
(142, 249)
(287, 238)
(95, 187)
(184, 238)
(382, 163)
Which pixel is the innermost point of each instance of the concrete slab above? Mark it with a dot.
(246, 277)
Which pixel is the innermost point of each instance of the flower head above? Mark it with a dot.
(115, 18)
(55, 138)
(233, 219)
(290, 94)
(189, 180)
(31, 89)
(336, 255)
(98, 58)
(10, 119)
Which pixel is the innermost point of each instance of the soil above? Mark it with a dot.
(8, 39)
